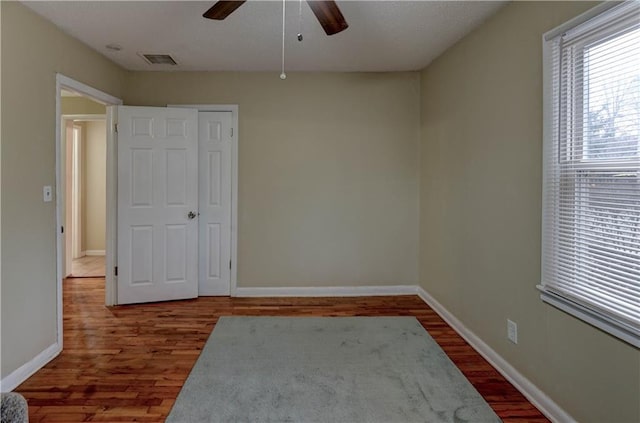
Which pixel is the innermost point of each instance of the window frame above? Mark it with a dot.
(550, 294)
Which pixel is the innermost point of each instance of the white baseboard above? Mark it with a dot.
(546, 405)
(22, 373)
(94, 252)
(329, 291)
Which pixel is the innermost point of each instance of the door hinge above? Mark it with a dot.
(229, 264)
(115, 128)
(231, 132)
(115, 271)
(61, 229)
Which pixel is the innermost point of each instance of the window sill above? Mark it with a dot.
(592, 317)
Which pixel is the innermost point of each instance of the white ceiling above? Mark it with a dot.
(382, 35)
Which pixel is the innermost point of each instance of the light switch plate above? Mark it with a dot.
(47, 195)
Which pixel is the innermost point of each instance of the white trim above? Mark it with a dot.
(22, 373)
(94, 253)
(599, 320)
(546, 405)
(111, 222)
(233, 108)
(64, 82)
(86, 90)
(85, 118)
(329, 291)
(60, 207)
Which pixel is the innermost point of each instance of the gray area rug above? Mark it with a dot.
(326, 369)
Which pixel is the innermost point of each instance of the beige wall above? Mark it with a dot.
(480, 216)
(32, 52)
(328, 172)
(81, 106)
(95, 185)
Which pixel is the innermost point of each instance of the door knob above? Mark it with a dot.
(192, 215)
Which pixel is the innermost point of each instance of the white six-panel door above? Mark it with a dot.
(157, 204)
(215, 202)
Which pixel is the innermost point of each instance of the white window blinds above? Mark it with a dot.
(591, 192)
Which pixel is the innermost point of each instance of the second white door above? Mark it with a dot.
(215, 135)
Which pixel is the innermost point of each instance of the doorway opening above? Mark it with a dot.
(84, 163)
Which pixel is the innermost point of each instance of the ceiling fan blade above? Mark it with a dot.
(328, 15)
(222, 9)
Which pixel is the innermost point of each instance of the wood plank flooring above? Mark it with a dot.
(127, 363)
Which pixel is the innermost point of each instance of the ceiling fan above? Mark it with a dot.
(327, 13)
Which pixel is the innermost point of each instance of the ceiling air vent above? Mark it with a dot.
(159, 59)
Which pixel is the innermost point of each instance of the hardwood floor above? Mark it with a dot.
(88, 267)
(128, 363)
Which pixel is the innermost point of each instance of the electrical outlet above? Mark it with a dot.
(512, 331)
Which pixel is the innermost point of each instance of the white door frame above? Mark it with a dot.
(64, 82)
(233, 108)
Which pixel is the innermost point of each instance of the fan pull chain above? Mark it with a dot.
(300, 21)
(283, 75)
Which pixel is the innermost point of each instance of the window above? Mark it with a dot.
(591, 188)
